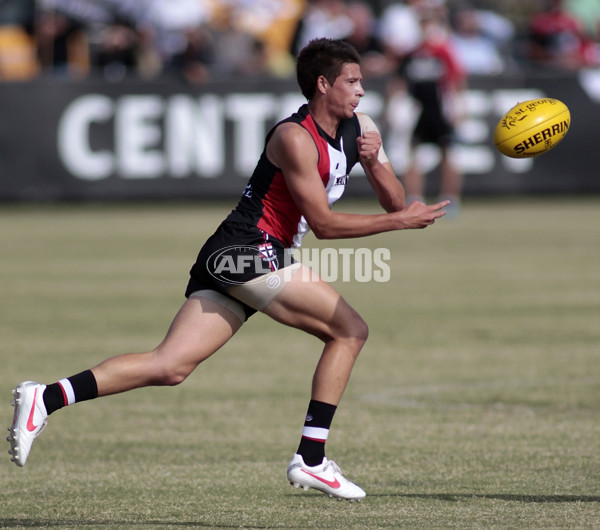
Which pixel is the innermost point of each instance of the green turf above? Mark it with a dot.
(475, 404)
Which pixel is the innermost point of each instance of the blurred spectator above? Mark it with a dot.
(272, 24)
(79, 36)
(194, 39)
(374, 62)
(497, 28)
(18, 59)
(61, 44)
(557, 39)
(435, 80)
(173, 38)
(266, 26)
(192, 63)
(322, 18)
(233, 51)
(477, 53)
(588, 11)
(400, 30)
(238, 53)
(115, 53)
(200, 39)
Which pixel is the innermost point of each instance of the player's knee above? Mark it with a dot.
(361, 331)
(350, 328)
(357, 331)
(172, 374)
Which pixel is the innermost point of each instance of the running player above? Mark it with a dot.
(245, 266)
(435, 79)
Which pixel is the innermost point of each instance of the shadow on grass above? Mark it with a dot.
(80, 523)
(511, 497)
(449, 497)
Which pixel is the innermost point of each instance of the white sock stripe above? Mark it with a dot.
(68, 390)
(316, 433)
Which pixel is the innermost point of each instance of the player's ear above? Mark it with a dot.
(322, 84)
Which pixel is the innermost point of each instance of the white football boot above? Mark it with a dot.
(326, 477)
(29, 420)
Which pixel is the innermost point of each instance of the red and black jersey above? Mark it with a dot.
(266, 202)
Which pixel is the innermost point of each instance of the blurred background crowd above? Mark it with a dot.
(200, 40)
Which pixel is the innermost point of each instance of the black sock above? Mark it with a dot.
(79, 387)
(314, 434)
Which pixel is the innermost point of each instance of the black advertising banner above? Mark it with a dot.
(137, 140)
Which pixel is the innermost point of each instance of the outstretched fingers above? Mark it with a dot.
(421, 215)
(438, 210)
(439, 207)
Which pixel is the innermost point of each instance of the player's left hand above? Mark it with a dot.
(368, 146)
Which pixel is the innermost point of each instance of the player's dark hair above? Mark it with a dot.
(324, 57)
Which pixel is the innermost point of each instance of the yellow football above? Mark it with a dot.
(532, 127)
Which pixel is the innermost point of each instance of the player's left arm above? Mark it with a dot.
(379, 171)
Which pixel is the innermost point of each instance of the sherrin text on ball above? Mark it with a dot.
(532, 127)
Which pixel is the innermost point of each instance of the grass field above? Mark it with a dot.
(475, 404)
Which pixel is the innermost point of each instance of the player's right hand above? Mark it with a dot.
(420, 215)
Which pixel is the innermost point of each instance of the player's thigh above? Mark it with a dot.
(199, 329)
(309, 303)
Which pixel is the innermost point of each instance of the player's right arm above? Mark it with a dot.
(292, 149)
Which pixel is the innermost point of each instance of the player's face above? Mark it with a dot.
(346, 91)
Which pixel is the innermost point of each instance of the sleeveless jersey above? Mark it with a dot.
(266, 202)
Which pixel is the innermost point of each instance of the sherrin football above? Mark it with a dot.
(532, 127)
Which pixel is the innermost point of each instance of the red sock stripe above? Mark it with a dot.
(314, 439)
(65, 399)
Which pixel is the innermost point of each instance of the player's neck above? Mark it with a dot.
(324, 118)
